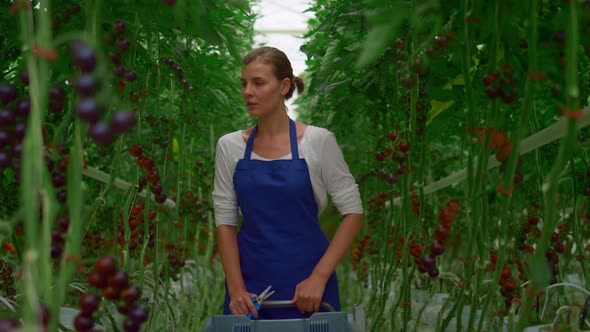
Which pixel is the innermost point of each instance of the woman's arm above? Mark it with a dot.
(240, 298)
(342, 187)
(345, 234)
(226, 215)
(227, 245)
(309, 293)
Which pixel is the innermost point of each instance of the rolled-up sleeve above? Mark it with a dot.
(336, 176)
(224, 198)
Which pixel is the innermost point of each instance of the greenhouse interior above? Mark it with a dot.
(461, 127)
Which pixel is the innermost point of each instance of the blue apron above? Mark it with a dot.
(280, 240)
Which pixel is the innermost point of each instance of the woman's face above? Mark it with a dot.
(261, 90)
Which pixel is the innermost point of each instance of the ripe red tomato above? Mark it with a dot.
(135, 150)
(148, 163)
(504, 152)
(96, 279)
(416, 249)
(111, 293)
(506, 273)
(437, 248)
(446, 216)
(133, 223)
(152, 214)
(152, 176)
(442, 233)
(106, 265)
(498, 139)
(509, 286)
(404, 146)
(392, 136)
(136, 209)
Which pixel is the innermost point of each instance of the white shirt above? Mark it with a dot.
(328, 171)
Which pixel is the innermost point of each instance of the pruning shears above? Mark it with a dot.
(259, 299)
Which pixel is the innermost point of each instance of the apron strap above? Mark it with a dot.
(292, 138)
(249, 144)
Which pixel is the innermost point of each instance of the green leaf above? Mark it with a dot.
(221, 97)
(539, 271)
(385, 25)
(330, 56)
(437, 108)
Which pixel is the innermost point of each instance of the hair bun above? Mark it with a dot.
(298, 81)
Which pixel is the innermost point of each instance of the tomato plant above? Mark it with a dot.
(477, 96)
(106, 150)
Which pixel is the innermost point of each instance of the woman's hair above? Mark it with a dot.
(280, 63)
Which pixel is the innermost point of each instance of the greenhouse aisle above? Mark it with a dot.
(465, 125)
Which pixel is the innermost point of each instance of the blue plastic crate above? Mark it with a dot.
(318, 322)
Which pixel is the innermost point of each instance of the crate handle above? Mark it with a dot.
(288, 304)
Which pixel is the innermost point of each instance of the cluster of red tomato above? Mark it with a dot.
(14, 112)
(507, 283)
(176, 259)
(440, 44)
(115, 286)
(57, 165)
(119, 44)
(360, 265)
(403, 73)
(502, 147)
(500, 144)
(179, 73)
(151, 174)
(398, 154)
(375, 206)
(427, 264)
(558, 244)
(57, 236)
(95, 241)
(557, 247)
(192, 208)
(87, 107)
(501, 84)
(135, 220)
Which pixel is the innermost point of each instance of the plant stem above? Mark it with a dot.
(36, 261)
(483, 160)
(75, 231)
(474, 186)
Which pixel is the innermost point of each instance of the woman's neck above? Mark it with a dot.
(273, 124)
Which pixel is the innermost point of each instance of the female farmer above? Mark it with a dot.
(278, 175)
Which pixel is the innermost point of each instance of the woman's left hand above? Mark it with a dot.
(309, 293)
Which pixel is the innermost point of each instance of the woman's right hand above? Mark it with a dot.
(241, 304)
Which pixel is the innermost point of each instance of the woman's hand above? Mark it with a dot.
(241, 304)
(309, 293)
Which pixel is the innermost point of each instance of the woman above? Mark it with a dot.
(278, 174)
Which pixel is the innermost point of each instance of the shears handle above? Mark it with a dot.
(256, 305)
